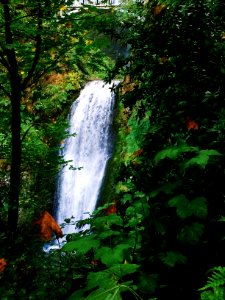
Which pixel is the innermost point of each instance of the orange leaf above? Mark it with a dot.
(158, 9)
(3, 263)
(138, 152)
(163, 60)
(94, 262)
(48, 225)
(191, 124)
(111, 209)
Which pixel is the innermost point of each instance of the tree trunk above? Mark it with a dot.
(14, 191)
(15, 98)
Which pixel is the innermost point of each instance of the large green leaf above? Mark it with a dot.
(182, 206)
(110, 256)
(108, 294)
(107, 284)
(191, 233)
(139, 129)
(167, 188)
(121, 270)
(172, 258)
(216, 279)
(82, 245)
(148, 282)
(202, 158)
(173, 152)
(186, 208)
(78, 295)
(199, 207)
(112, 293)
(103, 279)
(104, 223)
(109, 233)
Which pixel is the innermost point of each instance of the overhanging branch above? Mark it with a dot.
(50, 67)
(3, 61)
(37, 51)
(26, 132)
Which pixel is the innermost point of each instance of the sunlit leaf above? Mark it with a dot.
(82, 245)
(173, 152)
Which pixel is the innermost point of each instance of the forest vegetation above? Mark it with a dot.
(157, 232)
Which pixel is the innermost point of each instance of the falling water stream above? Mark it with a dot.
(87, 153)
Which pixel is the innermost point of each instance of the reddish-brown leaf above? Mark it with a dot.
(158, 9)
(138, 152)
(163, 60)
(191, 125)
(48, 225)
(3, 263)
(111, 209)
(94, 262)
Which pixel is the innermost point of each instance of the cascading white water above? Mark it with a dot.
(90, 119)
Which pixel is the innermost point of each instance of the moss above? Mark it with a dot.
(107, 193)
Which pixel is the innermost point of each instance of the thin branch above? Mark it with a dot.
(10, 53)
(37, 51)
(49, 67)
(19, 18)
(66, 18)
(3, 61)
(38, 76)
(26, 132)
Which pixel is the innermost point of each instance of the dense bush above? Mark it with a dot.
(173, 154)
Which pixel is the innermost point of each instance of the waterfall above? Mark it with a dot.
(87, 153)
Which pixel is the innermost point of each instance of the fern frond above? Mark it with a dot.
(216, 279)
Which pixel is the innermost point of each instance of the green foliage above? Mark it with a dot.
(55, 53)
(110, 257)
(138, 131)
(83, 245)
(172, 258)
(171, 147)
(186, 208)
(214, 288)
(169, 155)
(216, 279)
(103, 294)
(202, 158)
(109, 250)
(47, 54)
(174, 152)
(216, 294)
(191, 233)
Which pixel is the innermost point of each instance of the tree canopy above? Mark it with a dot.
(38, 41)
